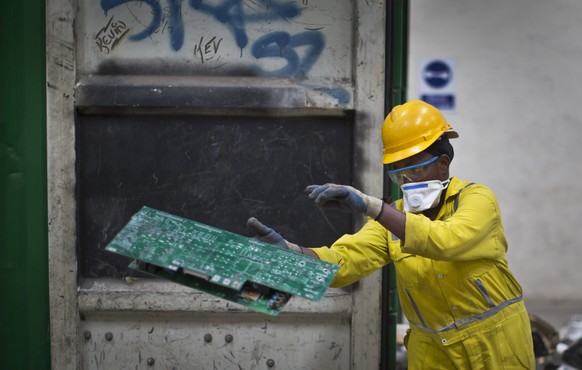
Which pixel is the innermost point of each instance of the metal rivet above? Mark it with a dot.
(270, 362)
(87, 335)
(208, 338)
(228, 338)
(151, 361)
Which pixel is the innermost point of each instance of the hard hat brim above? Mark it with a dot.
(451, 134)
(398, 155)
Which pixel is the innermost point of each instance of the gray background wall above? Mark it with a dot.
(518, 88)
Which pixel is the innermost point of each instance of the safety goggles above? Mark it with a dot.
(411, 173)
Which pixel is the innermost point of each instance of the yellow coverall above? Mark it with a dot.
(463, 304)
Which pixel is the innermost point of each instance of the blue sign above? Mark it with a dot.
(437, 83)
(437, 74)
(441, 101)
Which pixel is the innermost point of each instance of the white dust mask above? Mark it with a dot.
(420, 196)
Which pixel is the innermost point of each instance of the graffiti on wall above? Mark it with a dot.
(283, 45)
(236, 17)
(108, 37)
(207, 50)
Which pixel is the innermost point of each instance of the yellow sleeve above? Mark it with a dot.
(358, 255)
(474, 231)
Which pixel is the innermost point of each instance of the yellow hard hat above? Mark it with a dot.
(412, 127)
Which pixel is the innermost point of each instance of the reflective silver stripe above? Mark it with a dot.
(483, 291)
(468, 320)
(415, 307)
(456, 204)
(448, 327)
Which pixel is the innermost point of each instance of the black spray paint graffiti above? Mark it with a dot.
(109, 36)
(232, 14)
(206, 50)
(175, 23)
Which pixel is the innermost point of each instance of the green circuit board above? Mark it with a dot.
(243, 270)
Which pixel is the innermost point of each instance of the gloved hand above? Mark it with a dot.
(344, 198)
(268, 235)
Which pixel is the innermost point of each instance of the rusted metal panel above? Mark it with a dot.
(217, 38)
(304, 57)
(110, 295)
(218, 341)
(206, 92)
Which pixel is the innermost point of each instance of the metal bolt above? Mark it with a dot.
(87, 335)
(270, 362)
(108, 336)
(208, 338)
(228, 338)
(151, 361)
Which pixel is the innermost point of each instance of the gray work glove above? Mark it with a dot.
(344, 198)
(270, 236)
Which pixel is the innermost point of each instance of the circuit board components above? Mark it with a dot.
(243, 270)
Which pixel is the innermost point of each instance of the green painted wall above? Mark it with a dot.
(397, 35)
(24, 307)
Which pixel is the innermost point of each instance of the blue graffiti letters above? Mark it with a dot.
(290, 55)
(231, 13)
(107, 5)
(176, 25)
(299, 51)
(283, 45)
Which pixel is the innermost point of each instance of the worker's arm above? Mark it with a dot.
(359, 254)
(474, 231)
(394, 220)
(348, 199)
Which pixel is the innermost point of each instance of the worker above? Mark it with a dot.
(446, 241)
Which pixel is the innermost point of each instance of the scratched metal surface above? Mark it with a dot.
(325, 58)
(301, 38)
(218, 341)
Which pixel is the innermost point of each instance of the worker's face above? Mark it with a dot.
(420, 167)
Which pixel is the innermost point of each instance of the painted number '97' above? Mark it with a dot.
(283, 45)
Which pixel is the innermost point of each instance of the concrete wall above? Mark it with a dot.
(518, 87)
